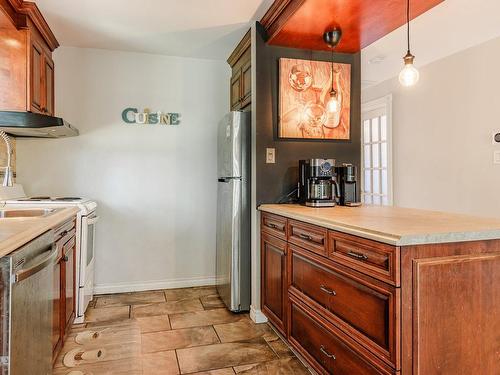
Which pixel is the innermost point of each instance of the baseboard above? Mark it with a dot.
(257, 316)
(153, 285)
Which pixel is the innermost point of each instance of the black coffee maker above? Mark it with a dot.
(317, 184)
(348, 185)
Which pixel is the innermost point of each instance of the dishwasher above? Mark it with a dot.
(26, 279)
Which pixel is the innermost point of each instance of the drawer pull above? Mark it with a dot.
(305, 236)
(328, 290)
(323, 350)
(357, 255)
(273, 226)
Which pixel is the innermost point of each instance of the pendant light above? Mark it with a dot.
(409, 74)
(332, 38)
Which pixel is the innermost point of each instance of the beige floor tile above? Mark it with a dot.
(125, 299)
(177, 339)
(211, 302)
(204, 318)
(244, 329)
(280, 348)
(153, 323)
(222, 371)
(121, 367)
(189, 293)
(161, 363)
(210, 357)
(164, 308)
(287, 366)
(107, 314)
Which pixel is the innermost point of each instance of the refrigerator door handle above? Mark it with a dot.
(229, 179)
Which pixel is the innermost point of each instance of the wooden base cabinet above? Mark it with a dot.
(64, 291)
(350, 305)
(326, 348)
(274, 280)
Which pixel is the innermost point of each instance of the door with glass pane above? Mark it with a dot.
(376, 154)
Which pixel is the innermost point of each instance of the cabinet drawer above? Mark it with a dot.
(363, 308)
(274, 225)
(308, 236)
(375, 259)
(327, 349)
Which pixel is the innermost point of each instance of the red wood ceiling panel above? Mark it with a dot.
(301, 23)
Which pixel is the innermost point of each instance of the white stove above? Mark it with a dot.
(85, 241)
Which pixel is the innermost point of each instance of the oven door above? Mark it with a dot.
(87, 261)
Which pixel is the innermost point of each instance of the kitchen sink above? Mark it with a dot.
(19, 213)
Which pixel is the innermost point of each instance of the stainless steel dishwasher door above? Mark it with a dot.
(32, 307)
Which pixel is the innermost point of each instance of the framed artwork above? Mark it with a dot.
(304, 90)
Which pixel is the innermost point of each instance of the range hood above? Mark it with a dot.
(28, 124)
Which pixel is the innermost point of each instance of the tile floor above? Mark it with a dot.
(178, 331)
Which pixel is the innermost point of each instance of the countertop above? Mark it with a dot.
(15, 232)
(393, 225)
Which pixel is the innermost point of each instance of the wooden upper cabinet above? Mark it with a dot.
(241, 79)
(27, 79)
(236, 91)
(36, 67)
(48, 87)
(246, 84)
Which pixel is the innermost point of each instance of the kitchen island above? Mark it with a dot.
(383, 290)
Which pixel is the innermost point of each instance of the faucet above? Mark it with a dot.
(7, 179)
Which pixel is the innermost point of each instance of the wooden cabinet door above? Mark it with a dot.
(273, 283)
(236, 91)
(36, 73)
(246, 84)
(48, 86)
(69, 290)
(57, 311)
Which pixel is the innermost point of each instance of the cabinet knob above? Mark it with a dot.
(65, 258)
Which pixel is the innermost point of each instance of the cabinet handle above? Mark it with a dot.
(328, 290)
(323, 350)
(305, 236)
(274, 226)
(357, 255)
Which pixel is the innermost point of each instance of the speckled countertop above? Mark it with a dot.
(15, 232)
(393, 225)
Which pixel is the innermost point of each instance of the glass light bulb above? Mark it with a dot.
(332, 105)
(409, 75)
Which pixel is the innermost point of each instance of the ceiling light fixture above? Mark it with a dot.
(409, 75)
(332, 38)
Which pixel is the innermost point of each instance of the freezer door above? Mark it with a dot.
(231, 138)
(228, 241)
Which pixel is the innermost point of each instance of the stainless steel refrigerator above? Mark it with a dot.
(233, 211)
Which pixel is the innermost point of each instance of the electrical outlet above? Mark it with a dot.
(270, 155)
(496, 157)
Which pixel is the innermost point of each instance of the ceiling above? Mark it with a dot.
(301, 24)
(450, 27)
(190, 28)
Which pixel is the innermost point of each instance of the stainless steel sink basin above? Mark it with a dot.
(33, 212)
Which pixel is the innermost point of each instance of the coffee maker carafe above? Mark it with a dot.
(317, 184)
(348, 185)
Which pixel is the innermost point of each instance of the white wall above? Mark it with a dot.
(442, 133)
(155, 185)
